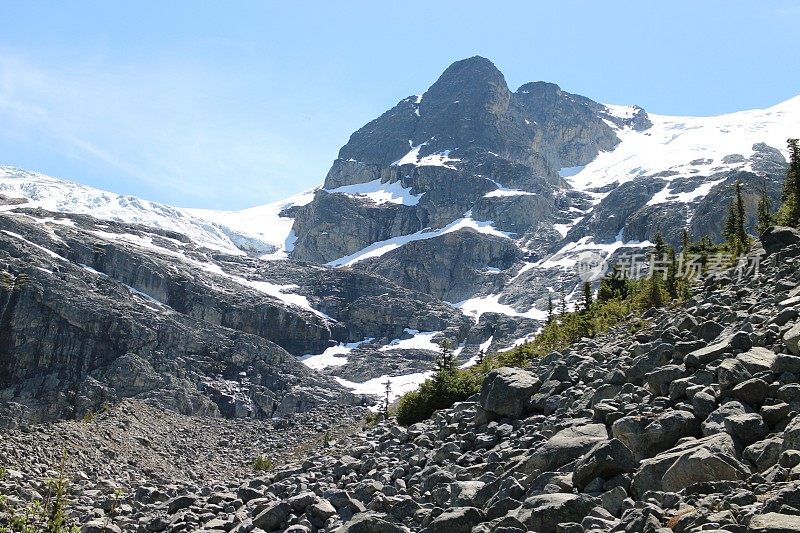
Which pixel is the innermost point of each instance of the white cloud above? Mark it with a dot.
(169, 124)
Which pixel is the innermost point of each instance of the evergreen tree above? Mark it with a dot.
(387, 394)
(736, 237)
(563, 303)
(789, 213)
(660, 246)
(742, 240)
(613, 286)
(481, 357)
(587, 296)
(549, 308)
(764, 212)
(685, 242)
(706, 247)
(672, 275)
(653, 296)
(729, 230)
(446, 360)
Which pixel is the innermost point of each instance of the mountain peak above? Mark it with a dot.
(471, 72)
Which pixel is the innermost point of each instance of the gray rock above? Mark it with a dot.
(786, 363)
(791, 435)
(99, 526)
(458, 520)
(543, 513)
(605, 460)
(717, 448)
(371, 523)
(646, 437)
(273, 516)
(757, 359)
(774, 523)
(777, 238)
(506, 390)
(731, 372)
(565, 446)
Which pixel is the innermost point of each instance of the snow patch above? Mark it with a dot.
(664, 195)
(332, 356)
(380, 192)
(380, 248)
(438, 159)
(477, 306)
(418, 341)
(377, 386)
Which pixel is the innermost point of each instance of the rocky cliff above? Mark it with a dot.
(690, 424)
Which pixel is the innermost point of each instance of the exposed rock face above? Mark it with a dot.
(472, 153)
(89, 316)
(467, 134)
(455, 264)
(614, 434)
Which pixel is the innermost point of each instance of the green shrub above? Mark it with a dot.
(48, 515)
(263, 463)
(445, 388)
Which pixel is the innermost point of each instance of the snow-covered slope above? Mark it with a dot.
(689, 145)
(258, 230)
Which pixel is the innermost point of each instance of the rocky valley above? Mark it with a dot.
(183, 369)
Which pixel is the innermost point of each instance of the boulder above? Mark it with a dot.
(702, 465)
(730, 372)
(764, 454)
(543, 512)
(99, 526)
(786, 363)
(651, 471)
(565, 446)
(506, 390)
(747, 427)
(370, 523)
(646, 437)
(705, 355)
(777, 238)
(457, 520)
(272, 517)
(715, 422)
(757, 359)
(791, 435)
(605, 460)
(791, 339)
(774, 523)
(752, 392)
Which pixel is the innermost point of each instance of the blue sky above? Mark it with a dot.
(232, 104)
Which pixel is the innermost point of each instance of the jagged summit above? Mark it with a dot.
(469, 112)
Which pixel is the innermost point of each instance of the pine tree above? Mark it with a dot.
(587, 296)
(685, 242)
(672, 275)
(742, 240)
(387, 394)
(660, 246)
(654, 297)
(729, 230)
(764, 212)
(446, 359)
(613, 286)
(706, 246)
(481, 357)
(563, 304)
(549, 308)
(789, 213)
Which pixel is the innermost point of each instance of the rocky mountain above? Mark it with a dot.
(454, 214)
(483, 197)
(689, 424)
